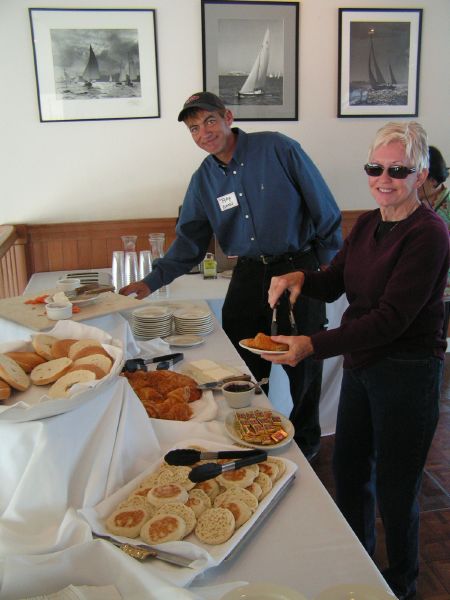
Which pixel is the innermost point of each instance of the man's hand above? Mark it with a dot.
(139, 288)
(291, 281)
(300, 347)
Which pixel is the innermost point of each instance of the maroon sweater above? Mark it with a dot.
(394, 287)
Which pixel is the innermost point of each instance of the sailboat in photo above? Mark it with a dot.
(91, 72)
(376, 77)
(255, 83)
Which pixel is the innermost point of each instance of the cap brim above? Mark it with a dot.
(201, 105)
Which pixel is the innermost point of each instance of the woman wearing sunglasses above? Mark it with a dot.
(393, 270)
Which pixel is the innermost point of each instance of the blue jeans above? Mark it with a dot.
(387, 417)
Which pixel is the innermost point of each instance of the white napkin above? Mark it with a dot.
(151, 348)
(83, 592)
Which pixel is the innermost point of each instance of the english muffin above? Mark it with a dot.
(201, 495)
(127, 521)
(265, 482)
(240, 477)
(197, 505)
(239, 494)
(169, 492)
(270, 469)
(174, 474)
(183, 511)
(280, 464)
(163, 528)
(241, 511)
(215, 526)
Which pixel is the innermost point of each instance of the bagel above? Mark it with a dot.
(42, 344)
(5, 390)
(99, 373)
(50, 371)
(26, 360)
(98, 360)
(13, 374)
(61, 348)
(80, 345)
(63, 386)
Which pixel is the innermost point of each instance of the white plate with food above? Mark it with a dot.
(258, 351)
(277, 422)
(263, 591)
(184, 341)
(205, 555)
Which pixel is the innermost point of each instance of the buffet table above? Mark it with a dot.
(193, 286)
(50, 468)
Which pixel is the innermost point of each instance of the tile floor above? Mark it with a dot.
(434, 577)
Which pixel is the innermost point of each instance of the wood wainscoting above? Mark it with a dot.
(89, 245)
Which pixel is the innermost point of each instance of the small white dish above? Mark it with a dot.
(56, 310)
(238, 394)
(263, 591)
(66, 284)
(184, 340)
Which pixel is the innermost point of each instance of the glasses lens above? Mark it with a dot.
(399, 172)
(373, 170)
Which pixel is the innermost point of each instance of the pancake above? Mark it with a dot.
(215, 526)
(163, 528)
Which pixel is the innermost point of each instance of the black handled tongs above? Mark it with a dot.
(189, 456)
(139, 364)
(293, 324)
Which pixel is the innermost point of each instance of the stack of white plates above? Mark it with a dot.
(151, 322)
(195, 320)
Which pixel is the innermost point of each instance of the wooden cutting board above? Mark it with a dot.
(35, 317)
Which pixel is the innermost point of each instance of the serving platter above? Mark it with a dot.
(258, 351)
(204, 555)
(234, 435)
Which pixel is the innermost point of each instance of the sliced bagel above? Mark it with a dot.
(80, 344)
(42, 344)
(63, 386)
(98, 360)
(99, 373)
(27, 360)
(61, 348)
(89, 351)
(5, 390)
(50, 371)
(13, 374)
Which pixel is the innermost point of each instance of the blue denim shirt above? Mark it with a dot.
(270, 199)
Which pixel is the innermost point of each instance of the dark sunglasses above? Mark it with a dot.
(396, 171)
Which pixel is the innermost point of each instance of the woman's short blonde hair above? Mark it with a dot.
(413, 137)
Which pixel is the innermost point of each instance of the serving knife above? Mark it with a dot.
(143, 552)
(216, 385)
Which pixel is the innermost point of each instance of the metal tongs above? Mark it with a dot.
(190, 456)
(164, 362)
(274, 324)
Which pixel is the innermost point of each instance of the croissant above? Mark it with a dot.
(263, 342)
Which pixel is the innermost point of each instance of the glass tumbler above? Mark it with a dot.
(129, 243)
(130, 268)
(118, 269)
(145, 263)
(157, 248)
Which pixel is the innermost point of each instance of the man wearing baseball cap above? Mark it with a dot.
(266, 202)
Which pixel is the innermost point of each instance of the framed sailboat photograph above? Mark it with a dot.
(379, 62)
(250, 57)
(95, 64)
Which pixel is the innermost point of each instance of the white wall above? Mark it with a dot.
(94, 170)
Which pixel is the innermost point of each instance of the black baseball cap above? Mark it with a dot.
(203, 100)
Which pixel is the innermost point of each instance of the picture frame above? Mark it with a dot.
(250, 57)
(379, 62)
(95, 64)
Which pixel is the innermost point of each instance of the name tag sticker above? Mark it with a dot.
(228, 201)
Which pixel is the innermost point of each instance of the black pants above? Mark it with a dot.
(246, 312)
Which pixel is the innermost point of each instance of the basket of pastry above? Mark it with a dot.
(55, 366)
